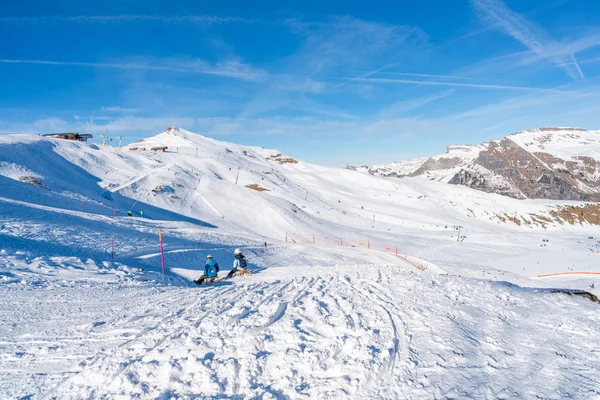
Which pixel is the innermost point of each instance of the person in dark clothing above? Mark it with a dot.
(239, 263)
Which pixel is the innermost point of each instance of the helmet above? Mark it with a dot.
(237, 251)
(209, 257)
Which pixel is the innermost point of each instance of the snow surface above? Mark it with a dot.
(331, 313)
(564, 143)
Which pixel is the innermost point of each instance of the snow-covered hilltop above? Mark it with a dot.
(546, 163)
(362, 287)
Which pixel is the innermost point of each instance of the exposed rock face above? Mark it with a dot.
(31, 179)
(440, 163)
(547, 163)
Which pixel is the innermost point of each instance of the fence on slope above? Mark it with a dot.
(368, 244)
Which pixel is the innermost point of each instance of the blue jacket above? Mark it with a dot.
(211, 269)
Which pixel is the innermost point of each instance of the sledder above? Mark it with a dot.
(211, 271)
(240, 266)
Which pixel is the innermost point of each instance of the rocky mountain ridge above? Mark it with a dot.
(545, 163)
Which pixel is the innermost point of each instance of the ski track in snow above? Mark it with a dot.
(369, 333)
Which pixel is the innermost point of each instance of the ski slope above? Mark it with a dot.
(371, 296)
(329, 332)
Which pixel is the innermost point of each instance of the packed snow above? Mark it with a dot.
(361, 286)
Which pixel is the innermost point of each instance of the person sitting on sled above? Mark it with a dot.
(239, 263)
(211, 270)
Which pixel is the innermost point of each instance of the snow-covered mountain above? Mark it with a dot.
(363, 286)
(546, 163)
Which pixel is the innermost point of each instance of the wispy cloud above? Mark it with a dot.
(401, 108)
(590, 61)
(117, 109)
(535, 38)
(356, 42)
(370, 73)
(454, 84)
(325, 50)
(346, 42)
(231, 69)
(307, 85)
(194, 19)
(546, 6)
(380, 71)
(296, 102)
(427, 75)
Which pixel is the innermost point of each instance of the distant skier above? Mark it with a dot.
(211, 270)
(239, 263)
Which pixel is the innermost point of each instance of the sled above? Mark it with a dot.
(207, 280)
(239, 273)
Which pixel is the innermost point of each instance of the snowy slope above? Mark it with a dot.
(371, 296)
(564, 143)
(195, 182)
(338, 332)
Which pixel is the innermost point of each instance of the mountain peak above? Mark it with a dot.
(172, 129)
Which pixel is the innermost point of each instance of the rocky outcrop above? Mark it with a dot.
(435, 164)
(530, 174)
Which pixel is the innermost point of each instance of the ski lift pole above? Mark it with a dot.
(162, 254)
(458, 228)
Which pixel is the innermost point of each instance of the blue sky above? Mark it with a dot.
(328, 82)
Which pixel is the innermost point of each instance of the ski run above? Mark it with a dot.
(361, 286)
